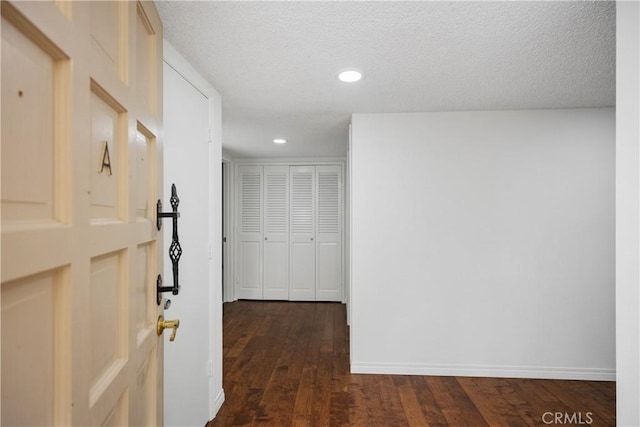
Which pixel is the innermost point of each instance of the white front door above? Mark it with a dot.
(81, 173)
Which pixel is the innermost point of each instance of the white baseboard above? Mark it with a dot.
(534, 372)
(217, 404)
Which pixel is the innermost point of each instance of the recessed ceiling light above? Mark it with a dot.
(350, 75)
(280, 141)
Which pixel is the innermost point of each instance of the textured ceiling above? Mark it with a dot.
(275, 63)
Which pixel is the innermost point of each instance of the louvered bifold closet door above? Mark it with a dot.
(276, 233)
(329, 233)
(249, 247)
(302, 268)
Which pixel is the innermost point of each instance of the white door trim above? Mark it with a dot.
(229, 227)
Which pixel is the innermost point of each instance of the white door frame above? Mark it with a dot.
(229, 227)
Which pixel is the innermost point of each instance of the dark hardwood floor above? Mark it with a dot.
(287, 364)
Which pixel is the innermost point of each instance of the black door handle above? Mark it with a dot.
(175, 250)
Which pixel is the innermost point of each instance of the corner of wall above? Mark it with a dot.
(627, 213)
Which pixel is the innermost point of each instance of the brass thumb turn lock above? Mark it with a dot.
(168, 324)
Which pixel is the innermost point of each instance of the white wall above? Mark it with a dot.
(192, 160)
(483, 243)
(628, 213)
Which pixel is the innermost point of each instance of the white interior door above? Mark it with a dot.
(81, 168)
(276, 233)
(329, 233)
(186, 151)
(249, 241)
(302, 244)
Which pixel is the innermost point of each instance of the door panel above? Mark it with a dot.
(249, 256)
(329, 233)
(108, 136)
(145, 159)
(146, 76)
(251, 200)
(303, 270)
(29, 358)
(80, 253)
(144, 295)
(28, 127)
(302, 233)
(276, 270)
(143, 401)
(329, 272)
(108, 338)
(276, 232)
(109, 30)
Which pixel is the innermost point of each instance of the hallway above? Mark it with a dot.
(287, 364)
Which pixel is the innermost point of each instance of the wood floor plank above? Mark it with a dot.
(531, 391)
(287, 364)
(304, 398)
(427, 401)
(578, 403)
(358, 415)
(376, 411)
(470, 413)
(482, 402)
(451, 411)
(339, 408)
(322, 390)
(409, 401)
(278, 403)
(394, 412)
(326, 336)
(497, 391)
